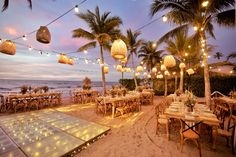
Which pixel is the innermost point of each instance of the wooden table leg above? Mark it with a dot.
(214, 135)
(167, 130)
(113, 110)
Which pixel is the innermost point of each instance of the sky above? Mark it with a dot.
(18, 20)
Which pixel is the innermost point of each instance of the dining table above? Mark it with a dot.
(201, 112)
(114, 100)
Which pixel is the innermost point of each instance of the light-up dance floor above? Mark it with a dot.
(46, 133)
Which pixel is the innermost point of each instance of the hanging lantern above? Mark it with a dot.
(43, 35)
(154, 70)
(145, 74)
(124, 60)
(163, 67)
(166, 72)
(190, 71)
(8, 47)
(119, 68)
(106, 69)
(159, 76)
(169, 61)
(139, 68)
(118, 49)
(123, 70)
(182, 66)
(63, 59)
(128, 70)
(70, 61)
(149, 76)
(137, 74)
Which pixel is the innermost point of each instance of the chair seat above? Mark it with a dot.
(224, 133)
(162, 120)
(190, 134)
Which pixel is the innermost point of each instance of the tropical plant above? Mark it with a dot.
(6, 4)
(87, 83)
(150, 55)
(200, 16)
(231, 55)
(23, 89)
(133, 43)
(218, 55)
(103, 28)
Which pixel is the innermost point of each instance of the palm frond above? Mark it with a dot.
(87, 46)
(78, 33)
(231, 55)
(5, 5)
(226, 18)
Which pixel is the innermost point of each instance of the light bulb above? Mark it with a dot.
(205, 3)
(77, 9)
(85, 51)
(164, 18)
(195, 28)
(24, 37)
(154, 45)
(30, 48)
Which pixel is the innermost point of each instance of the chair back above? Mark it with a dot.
(192, 125)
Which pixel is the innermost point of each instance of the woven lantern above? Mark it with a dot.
(137, 74)
(8, 47)
(163, 67)
(63, 59)
(43, 35)
(190, 71)
(124, 60)
(70, 61)
(106, 69)
(139, 68)
(128, 70)
(166, 72)
(118, 49)
(119, 68)
(182, 66)
(154, 70)
(169, 61)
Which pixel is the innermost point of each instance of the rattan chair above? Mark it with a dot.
(161, 118)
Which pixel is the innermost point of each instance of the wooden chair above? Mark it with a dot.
(19, 104)
(147, 99)
(222, 112)
(161, 119)
(33, 103)
(229, 132)
(122, 107)
(190, 130)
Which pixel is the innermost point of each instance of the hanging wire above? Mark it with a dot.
(51, 21)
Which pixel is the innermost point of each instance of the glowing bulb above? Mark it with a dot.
(203, 44)
(30, 48)
(149, 76)
(86, 61)
(141, 63)
(209, 56)
(189, 46)
(195, 28)
(202, 64)
(210, 67)
(219, 69)
(24, 37)
(203, 49)
(202, 29)
(77, 9)
(205, 3)
(0, 40)
(186, 54)
(48, 54)
(164, 18)
(85, 51)
(154, 45)
(231, 72)
(174, 73)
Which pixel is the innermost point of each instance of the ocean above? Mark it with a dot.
(7, 86)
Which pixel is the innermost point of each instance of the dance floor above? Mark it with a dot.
(45, 133)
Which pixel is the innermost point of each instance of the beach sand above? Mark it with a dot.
(134, 135)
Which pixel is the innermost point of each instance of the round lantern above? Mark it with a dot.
(159, 76)
(166, 72)
(149, 76)
(145, 74)
(182, 65)
(163, 67)
(106, 69)
(43, 35)
(139, 68)
(137, 74)
(8, 47)
(119, 68)
(169, 61)
(63, 59)
(154, 70)
(118, 49)
(190, 71)
(124, 60)
(128, 70)
(70, 61)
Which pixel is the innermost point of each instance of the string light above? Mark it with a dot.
(30, 48)
(186, 54)
(219, 69)
(231, 72)
(0, 40)
(85, 51)
(154, 45)
(76, 9)
(209, 56)
(205, 3)
(24, 37)
(164, 18)
(189, 46)
(86, 61)
(195, 28)
(202, 29)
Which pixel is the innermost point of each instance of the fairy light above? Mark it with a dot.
(174, 73)
(202, 29)
(189, 46)
(231, 72)
(210, 67)
(0, 40)
(141, 62)
(209, 56)
(195, 28)
(76, 9)
(24, 37)
(205, 3)
(202, 65)
(186, 54)
(101, 64)
(48, 54)
(30, 48)
(164, 18)
(86, 61)
(154, 45)
(85, 51)
(219, 69)
(40, 52)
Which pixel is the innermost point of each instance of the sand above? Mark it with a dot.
(134, 135)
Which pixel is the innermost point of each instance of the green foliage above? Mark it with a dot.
(129, 83)
(23, 89)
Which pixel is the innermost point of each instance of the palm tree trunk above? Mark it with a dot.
(165, 85)
(135, 81)
(181, 80)
(206, 75)
(103, 74)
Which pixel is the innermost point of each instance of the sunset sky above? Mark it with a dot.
(18, 20)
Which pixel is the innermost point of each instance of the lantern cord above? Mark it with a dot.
(52, 20)
(142, 27)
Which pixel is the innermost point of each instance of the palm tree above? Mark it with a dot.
(6, 4)
(218, 55)
(132, 42)
(150, 55)
(102, 30)
(231, 55)
(193, 13)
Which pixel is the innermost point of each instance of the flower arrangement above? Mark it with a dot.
(87, 84)
(23, 89)
(124, 91)
(178, 92)
(113, 92)
(190, 101)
